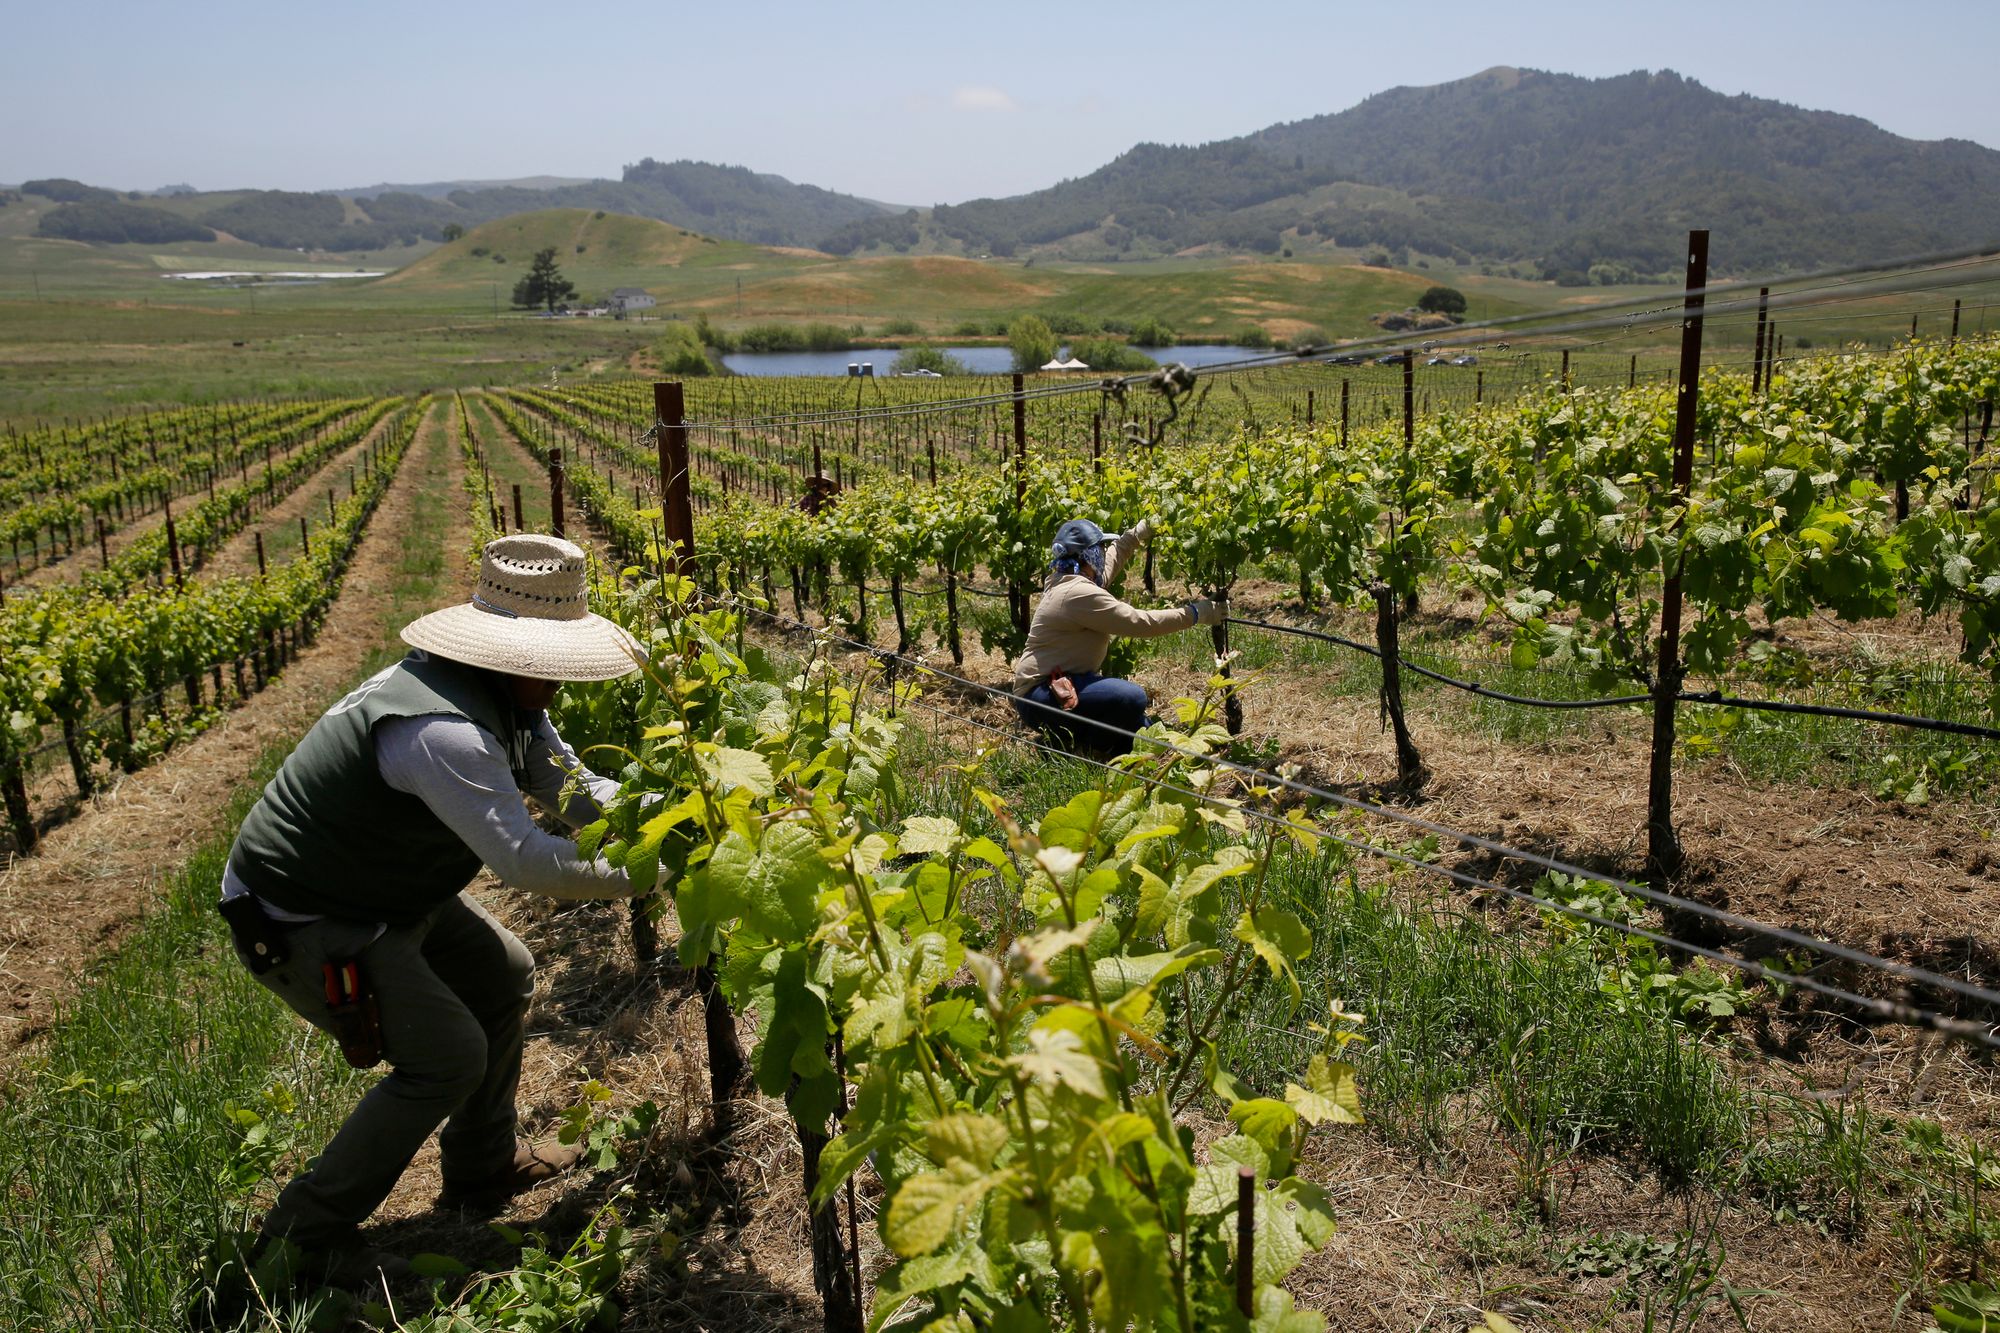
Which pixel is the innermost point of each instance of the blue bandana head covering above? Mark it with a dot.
(1079, 545)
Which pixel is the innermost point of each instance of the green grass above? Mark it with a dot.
(121, 1161)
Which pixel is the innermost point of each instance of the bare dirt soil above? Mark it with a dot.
(95, 876)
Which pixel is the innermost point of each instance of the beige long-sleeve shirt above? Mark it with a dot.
(1077, 619)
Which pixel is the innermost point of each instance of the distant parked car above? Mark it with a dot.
(1466, 360)
(1389, 359)
(1438, 361)
(920, 374)
(1351, 359)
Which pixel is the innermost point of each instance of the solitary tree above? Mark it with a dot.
(544, 284)
(1033, 342)
(1442, 301)
(452, 231)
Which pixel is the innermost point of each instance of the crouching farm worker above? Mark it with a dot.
(1057, 684)
(345, 888)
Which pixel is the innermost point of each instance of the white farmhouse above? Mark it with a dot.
(630, 298)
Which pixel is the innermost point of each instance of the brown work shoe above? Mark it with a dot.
(533, 1164)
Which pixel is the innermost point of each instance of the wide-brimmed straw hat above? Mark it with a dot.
(530, 617)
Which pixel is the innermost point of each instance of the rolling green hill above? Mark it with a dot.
(730, 202)
(734, 284)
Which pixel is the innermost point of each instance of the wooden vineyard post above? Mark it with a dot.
(520, 520)
(1478, 387)
(1954, 319)
(1632, 371)
(1343, 413)
(1017, 596)
(1410, 771)
(174, 546)
(556, 480)
(305, 537)
(262, 569)
(840, 1299)
(14, 790)
(1663, 847)
(676, 498)
(1309, 409)
(103, 546)
(1565, 372)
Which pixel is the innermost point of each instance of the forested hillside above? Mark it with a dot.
(1523, 165)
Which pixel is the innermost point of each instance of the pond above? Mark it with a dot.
(982, 360)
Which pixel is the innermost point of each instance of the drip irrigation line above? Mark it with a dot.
(1780, 934)
(1713, 698)
(1894, 1011)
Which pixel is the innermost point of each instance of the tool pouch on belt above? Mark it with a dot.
(1063, 689)
(352, 1014)
(261, 940)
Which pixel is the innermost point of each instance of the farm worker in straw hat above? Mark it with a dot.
(1057, 685)
(360, 850)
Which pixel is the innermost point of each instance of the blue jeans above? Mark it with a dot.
(1118, 705)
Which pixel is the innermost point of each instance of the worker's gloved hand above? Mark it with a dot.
(1207, 612)
(1142, 531)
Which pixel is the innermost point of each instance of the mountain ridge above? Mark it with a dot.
(1513, 169)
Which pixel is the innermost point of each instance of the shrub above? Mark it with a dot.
(1251, 337)
(1110, 354)
(968, 328)
(1069, 323)
(899, 328)
(923, 356)
(1310, 338)
(1151, 332)
(709, 336)
(681, 352)
(1033, 341)
(795, 338)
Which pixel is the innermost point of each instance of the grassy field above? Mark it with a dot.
(89, 328)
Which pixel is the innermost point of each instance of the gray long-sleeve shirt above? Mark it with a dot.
(461, 773)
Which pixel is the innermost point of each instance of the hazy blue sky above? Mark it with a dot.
(904, 102)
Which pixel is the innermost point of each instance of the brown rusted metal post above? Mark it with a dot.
(1246, 1238)
(1757, 357)
(1663, 847)
(558, 478)
(1017, 596)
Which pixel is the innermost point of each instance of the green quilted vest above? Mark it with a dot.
(329, 837)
